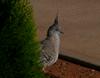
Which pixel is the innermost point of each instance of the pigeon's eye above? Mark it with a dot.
(57, 29)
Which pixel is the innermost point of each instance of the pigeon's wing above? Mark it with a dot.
(47, 52)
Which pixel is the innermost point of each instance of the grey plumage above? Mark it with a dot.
(51, 44)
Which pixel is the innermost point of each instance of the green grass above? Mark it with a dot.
(19, 47)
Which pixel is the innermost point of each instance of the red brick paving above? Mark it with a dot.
(64, 69)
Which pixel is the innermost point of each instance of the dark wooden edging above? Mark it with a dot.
(79, 62)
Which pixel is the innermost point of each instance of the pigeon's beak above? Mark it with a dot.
(61, 32)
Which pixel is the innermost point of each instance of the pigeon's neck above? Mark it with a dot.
(55, 40)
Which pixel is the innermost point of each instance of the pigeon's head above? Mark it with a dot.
(54, 29)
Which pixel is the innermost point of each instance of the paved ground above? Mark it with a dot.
(80, 22)
(64, 69)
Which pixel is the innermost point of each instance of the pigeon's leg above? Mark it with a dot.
(44, 69)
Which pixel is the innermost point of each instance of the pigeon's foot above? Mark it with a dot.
(44, 70)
